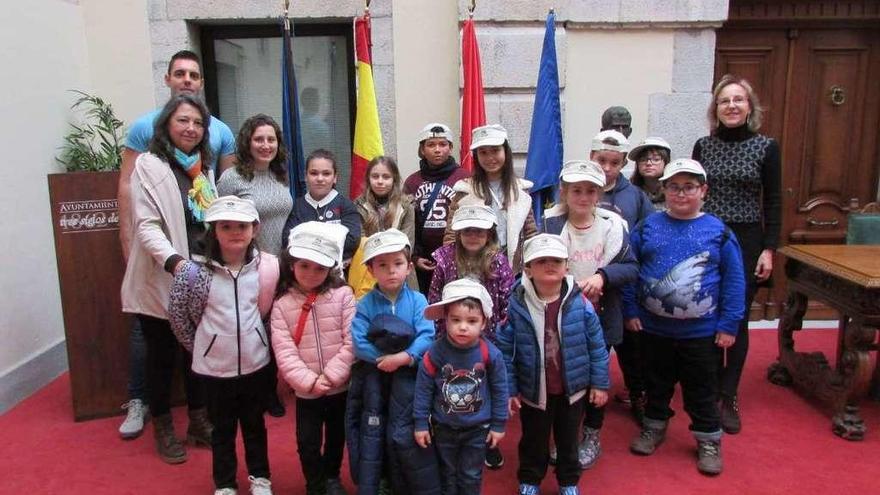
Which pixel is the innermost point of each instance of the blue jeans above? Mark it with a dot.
(137, 362)
(462, 452)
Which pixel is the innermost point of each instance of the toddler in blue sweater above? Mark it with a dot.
(462, 388)
(688, 305)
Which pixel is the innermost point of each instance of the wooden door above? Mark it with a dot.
(819, 86)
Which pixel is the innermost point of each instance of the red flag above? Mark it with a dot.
(473, 108)
(367, 134)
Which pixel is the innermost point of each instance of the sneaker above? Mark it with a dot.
(133, 425)
(569, 490)
(260, 486)
(709, 457)
(334, 487)
(276, 407)
(590, 449)
(226, 491)
(384, 486)
(647, 441)
(526, 489)
(553, 455)
(730, 421)
(623, 397)
(494, 459)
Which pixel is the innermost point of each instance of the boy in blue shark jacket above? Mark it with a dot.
(688, 305)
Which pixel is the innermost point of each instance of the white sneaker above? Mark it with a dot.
(226, 491)
(260, 486)
(133, 425)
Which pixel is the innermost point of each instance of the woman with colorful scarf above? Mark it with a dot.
(170, 192)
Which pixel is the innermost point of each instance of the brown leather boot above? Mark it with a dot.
(170, 449)
(199, 431)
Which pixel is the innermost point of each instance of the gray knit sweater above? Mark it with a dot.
(271, 197)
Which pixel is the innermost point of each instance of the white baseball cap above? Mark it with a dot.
(582, 170)
(430, 131)
(384, 242)
(683, 165)
(599, 145)
(457, 290)
(649, 142)
(488, 135)
(232, 208)
(545, 246)
(315, 241)
(477, 216)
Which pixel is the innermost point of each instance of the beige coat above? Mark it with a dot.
(159, 232)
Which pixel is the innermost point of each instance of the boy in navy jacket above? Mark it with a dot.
(462, 388)
(688, 306)
(556, 361)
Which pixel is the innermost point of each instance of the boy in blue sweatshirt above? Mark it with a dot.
(688, 305)
(462, 388)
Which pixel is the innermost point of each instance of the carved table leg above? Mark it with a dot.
(854, 368)
(792, 320)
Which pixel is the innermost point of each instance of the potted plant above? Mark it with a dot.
(89, 257)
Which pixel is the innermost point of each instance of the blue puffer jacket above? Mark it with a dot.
(409, 307)
(379, 424)
(622, 270)
(584, 356)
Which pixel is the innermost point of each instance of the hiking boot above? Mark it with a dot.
(276, 407)
(226, 491)
(590, 449)
(199, 431)
(526, 489)
(637, 403)
(730, 421)
(651, 436)
(494, 459)
(709, 456)
(569, 490)
(260, 486)
(334, 487)
(133, 425)
(170, 449)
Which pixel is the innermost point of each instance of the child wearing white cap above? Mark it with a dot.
(475, 253)
(651, 157)
(461, 389)
(216, 311)
(556, 362)
(494, 183)
(689, 302)
(431, 190)
(311, 337)
(609, 150)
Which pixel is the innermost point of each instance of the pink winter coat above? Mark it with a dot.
(325, 347)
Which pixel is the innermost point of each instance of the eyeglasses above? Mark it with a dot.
(736, 100)
(687, 189)
(651, 159)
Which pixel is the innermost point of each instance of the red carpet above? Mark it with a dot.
(786, 447)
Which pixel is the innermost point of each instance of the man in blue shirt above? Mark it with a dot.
(184, 77)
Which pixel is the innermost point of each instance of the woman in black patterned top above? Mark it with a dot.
(744, 172)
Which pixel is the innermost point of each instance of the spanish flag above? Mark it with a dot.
(367, 134)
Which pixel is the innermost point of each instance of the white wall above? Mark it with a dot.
(612, 67)
(426, 73)
(48, 47)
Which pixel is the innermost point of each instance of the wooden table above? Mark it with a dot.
(847, 278)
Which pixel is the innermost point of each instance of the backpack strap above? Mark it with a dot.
(303, 316)
(268, 271)
(484, 352)
(431, 368)
(429, 365)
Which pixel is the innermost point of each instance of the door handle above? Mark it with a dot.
(822, 223)
(838, 96)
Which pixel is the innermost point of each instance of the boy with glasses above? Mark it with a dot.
(689, 302)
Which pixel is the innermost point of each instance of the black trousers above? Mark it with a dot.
(233, 402)
(162, 351)
(694, 364)
(632, 363)
(751, 240)
(594, 417)
(564, 420)
(320, 422)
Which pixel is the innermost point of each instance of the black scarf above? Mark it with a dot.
(430, 173)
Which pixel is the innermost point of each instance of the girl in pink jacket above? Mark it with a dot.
(311, 337)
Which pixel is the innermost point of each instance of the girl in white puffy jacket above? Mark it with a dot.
(215, 310)
(311, 337)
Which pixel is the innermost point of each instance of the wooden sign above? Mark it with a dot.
(85, 220)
